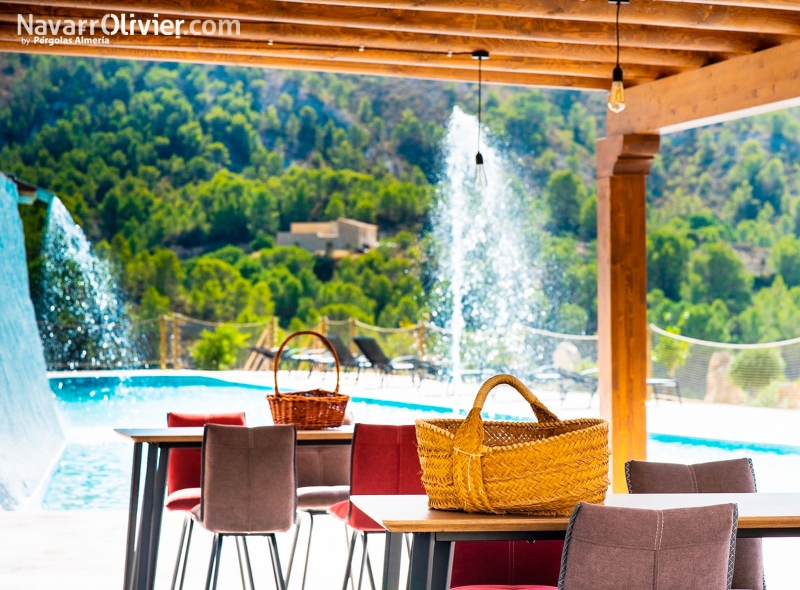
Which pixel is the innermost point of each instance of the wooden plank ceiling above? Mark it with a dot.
(550, 43)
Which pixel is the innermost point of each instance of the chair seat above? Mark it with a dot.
(355, 518)
(504, 587)
(321, 497)
(183, 500)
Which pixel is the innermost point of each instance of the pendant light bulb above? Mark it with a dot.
(480, 172)
(616, 97)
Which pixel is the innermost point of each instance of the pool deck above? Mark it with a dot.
(84, 549)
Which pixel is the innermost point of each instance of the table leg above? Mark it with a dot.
(391, 561)
(419, 568)
(158, 511)
(145, 521)
(441, 565)
(133, 509)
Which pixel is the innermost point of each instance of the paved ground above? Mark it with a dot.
(84, 550)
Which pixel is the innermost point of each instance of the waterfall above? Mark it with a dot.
(30, 433)
(81, 309)
(485, 263)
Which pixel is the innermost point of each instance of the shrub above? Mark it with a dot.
(218, 350)
(755, 368)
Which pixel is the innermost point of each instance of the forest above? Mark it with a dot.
(181, 175)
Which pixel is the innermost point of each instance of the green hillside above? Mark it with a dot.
(182, 175)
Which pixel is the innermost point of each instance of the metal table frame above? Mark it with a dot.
(432, 552)
(141, 553)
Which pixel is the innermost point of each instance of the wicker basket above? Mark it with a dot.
(544, 467)
(309, 410)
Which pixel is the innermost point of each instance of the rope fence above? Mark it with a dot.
(765, 374)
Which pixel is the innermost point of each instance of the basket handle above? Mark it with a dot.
(307, 333)
(541, 411)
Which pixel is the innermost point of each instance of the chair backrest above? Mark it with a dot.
(183, 470)
(323, 465)
(720, 477)
(342, 351)
(385, 460)
(609, 548)
(506, 563)
(372, 350)
(249, 481)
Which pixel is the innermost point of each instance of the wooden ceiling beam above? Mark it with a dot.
(635, 73)
(760, 4)
(742, 17)
(443, 23)
(398, 41)
(402, 71)
(741, 87)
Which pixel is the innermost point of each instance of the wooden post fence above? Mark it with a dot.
(162, 325)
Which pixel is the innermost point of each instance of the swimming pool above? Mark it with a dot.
(94, 470)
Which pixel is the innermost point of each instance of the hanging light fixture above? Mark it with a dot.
(480, 171)
(616, 97)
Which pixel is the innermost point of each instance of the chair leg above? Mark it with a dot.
(369, 565)
(180, 551)
(186, 553)
(216, 566)
(241, 563)
(280, 583)
(349, 568)
(211, 562)
(294, 547)
(364, 556)
(308, 550)
(247, 562)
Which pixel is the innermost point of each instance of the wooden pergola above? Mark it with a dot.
(687, 63)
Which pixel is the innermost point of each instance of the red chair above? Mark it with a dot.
(384, 462)
(183, 478)
(506, 565)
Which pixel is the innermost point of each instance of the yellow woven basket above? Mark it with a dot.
(544, 467)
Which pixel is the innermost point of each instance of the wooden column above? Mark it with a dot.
(623, 163)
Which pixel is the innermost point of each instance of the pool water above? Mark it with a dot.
(94, 470)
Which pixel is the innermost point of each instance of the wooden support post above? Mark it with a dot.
(623, 163)
(353, 347)
(176, 341)
(421, 340)
(162, 325)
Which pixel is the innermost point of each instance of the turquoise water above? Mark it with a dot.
(94, 470)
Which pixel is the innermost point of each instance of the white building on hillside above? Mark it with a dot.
(327, 236)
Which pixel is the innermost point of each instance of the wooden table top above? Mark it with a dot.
(410, 514)
(195, 434)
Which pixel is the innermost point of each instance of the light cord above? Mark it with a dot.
(619, 4)
(480, 101)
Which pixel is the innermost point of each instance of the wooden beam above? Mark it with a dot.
(622, 167)
(741, 87)
(770, 16)
(393, 40)
(443, 23)
(637, 74)
(762, 4)
(401, 71)
(747, 17)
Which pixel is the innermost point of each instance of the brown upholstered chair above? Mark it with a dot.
(248, 487)
(323, 479)
(609, 548)
(732, 477)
